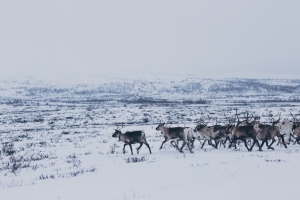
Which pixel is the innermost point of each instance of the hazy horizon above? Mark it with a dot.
(208, 39)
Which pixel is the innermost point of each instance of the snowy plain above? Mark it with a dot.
(62, 135)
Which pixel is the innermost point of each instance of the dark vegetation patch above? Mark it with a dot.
(135, 159)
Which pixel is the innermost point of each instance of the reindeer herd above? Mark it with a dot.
(250, 132)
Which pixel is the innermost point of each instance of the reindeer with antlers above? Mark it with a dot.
(131, 137)
(218, 133)
(244, 131)
(285, 127)
(296, 129)
(174, 134)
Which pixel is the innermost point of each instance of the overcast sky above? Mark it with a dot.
(210, 38)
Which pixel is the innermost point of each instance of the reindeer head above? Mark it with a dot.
(117, 132)
(160, 126)
(199, 127)
(285, 125)
(229, 128)
(256, 126)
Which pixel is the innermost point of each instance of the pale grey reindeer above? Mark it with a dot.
(131, 137)
(285, 127)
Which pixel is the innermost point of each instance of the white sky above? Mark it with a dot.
(257, 39)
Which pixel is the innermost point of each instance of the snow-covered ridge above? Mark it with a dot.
(190, 88)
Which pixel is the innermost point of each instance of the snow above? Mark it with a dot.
(210, 174)
(69, 152)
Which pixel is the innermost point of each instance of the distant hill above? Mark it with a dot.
(189, 90)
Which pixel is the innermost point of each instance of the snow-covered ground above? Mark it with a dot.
(53, 148)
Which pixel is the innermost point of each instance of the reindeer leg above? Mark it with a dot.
(269, 146)
(166, 139)
(224, 142)
(180, 150)
(232, 141)
(199, 141)
(203, 143)
(290, 139)
(189, 147)
(130, 148)
(146, 143)
(172, 144)
(217, 144)
(283, 142)
(245, 142)
(262, 144)
(124, 148)
(278, 142)
(138, 149)
(175, 144)
(211, 144)
(254, 142)
(192, 142)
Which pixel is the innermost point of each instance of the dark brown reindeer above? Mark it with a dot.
(131, 137)
(174, 133)
(244, 132)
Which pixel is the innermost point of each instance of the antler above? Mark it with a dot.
(118, 128)
(169, 125)
(294, 118)
(209, 118)
(181, 122)
(247, 116)
(231, 120)
(237, 115)
(201, 120)
(275, 122)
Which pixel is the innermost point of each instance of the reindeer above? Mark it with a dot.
(191, 136)
(217, 133)
(199, 134)
(131, 137)
(244, 133)
(297, 132)
(285, 128)
(246, 122)
(296, 129)
(175, 133)
(268, 132)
